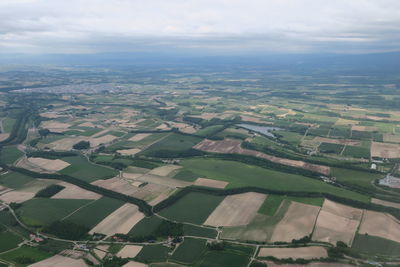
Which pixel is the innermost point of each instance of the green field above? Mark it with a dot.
(189, 251)
(173, 142)
(154, 253)
(193, 207)
(232, 256)
(9, 240)
(209, 130)
(82, 169)
(357, 152)
(186, 175)
(376, 245)
(359, 178)
(9, 154)
(192, 230)
(44, 211)
(25, 254)
(241, 175)
(146, 226)
(330, 148)
(8, 124)
(14, 180)
(272, 203)
(260, 228)
(98, 210)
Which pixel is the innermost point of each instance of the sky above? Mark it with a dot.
(213, 26)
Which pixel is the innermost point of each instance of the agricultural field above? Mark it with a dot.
(194, 208)
(168, 167)
(43, 211)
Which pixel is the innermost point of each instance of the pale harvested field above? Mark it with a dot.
(129, 152)
(59, 261)
(234, 146)
(294, 253)
(101, 251)
(210, 183)
(16, 196)
(132, 176)
(4, 136)
(337, 222)
(380, 224)
(348, 142)
(160, 198)
(391, 138)
(88, 124)
(118, 185)
(341, 121)
(135, 264)
(138, 137)
(51, 115)
(129, 251)
(252, 119)
(236, 210)
(164, 170)
(100, 133)
(55, 126)
(120, 221)
(385, 150)
(66, 143)
(385, 203)
(151, 191)
(183, 127)
(52, 165)
(170, 182)
(311, 264)
(75, 192)
(101, 140)
(363, 128)
(297, 223)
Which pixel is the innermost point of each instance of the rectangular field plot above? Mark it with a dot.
(60, 261)
(337, 222)
(153, 253)
(189, 251)
(381, 225)
(385, 150)
(120, 221)
(236, 210)
(95, 212)
(294, 253)
(239, 174)
(82, 169)
(44, 211)
(232, 256)
(193, 207)
(369, 244)
(298, 222)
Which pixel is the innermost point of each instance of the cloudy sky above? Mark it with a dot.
(221, 26)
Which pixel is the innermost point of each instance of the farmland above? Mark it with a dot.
(171, 167)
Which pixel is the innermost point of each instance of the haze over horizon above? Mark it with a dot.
(216, 27)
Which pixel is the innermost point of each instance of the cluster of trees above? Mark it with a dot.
(67, 230)
(165, 229)
(162, 153)
(114, 262)
(215, 245)
(49, 191)
(81, 145)
(51, 154)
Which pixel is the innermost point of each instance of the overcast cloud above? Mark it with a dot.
(87, 26)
